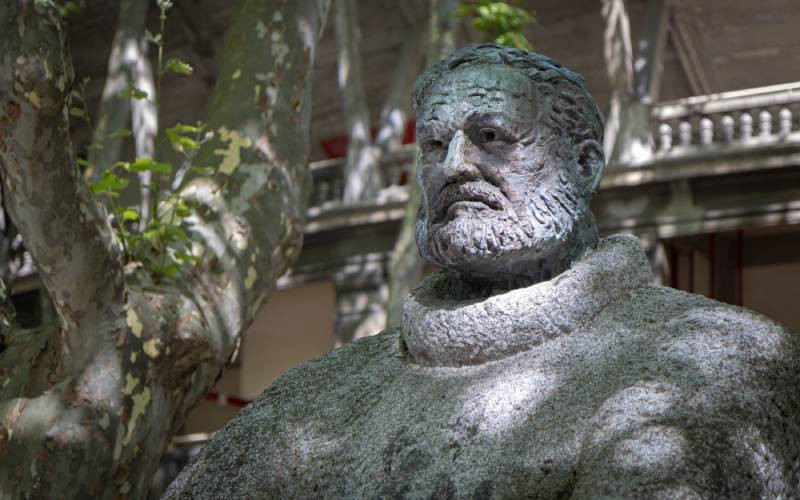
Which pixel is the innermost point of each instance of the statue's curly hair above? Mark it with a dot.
(572, 111)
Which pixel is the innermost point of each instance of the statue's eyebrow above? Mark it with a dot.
(491, 118)
(432, 127)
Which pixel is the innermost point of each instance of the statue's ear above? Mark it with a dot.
(591, 162)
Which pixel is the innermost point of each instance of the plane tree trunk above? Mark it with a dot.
(88, 404)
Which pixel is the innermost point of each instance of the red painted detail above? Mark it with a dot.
(336, 147)
(226, 400)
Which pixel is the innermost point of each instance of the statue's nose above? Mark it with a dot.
(457, 164)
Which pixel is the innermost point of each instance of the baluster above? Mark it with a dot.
(322, 191)
(337, 187)
(785, 121)
(706, 131)
(746, 126)
(685, 133)
(764, 123)
(394, 176)
(665, 137)
(727, 128)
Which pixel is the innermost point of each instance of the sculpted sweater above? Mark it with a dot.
(593, 384)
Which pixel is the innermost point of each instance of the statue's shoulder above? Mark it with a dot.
(713, 328)
(705, 403)
(338, 369)
(307, 406)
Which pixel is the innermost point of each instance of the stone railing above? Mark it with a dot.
(328, 176)
(744, 118)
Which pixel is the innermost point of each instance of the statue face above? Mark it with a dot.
(502, 190)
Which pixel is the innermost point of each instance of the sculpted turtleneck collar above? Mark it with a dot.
(441, 331)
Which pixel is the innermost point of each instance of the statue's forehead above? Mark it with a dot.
(491, 88)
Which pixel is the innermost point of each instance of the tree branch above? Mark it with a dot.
(394, 114)
(62, 227)
(250, 224)
(114, 114)
(627, 137)
(144, 118)
(362, 176)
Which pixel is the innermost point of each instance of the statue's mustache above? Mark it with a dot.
(470, 191)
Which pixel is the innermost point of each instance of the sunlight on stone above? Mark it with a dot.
(630, 408)
(653, 447)
(308, 443)
(752, 443)
(498, 404)
(344, 70)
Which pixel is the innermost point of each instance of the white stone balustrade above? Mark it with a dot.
(746, 118)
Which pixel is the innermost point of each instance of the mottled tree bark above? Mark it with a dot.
(88, 405)
(406, 266)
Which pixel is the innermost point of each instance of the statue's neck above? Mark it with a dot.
(583, 238)
(442, 330)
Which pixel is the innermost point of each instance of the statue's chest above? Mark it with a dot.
(459, 435)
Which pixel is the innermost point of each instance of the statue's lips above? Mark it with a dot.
(467, 196)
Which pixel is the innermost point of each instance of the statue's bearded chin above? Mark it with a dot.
(511, 241)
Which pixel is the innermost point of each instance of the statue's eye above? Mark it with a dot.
(487, 135)
(491, 137)
(434, 143)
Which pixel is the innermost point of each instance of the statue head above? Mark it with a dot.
(510, 153)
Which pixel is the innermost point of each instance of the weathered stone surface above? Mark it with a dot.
(539, 363)
(627, 390)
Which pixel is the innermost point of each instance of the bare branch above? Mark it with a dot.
(394, 115)
(627, 137)
(144, 118)
(114, 114)
(362, 175)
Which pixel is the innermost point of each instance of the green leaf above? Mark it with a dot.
(178, 66)
(123, 132)
(151, 234)
(109, 183)
(150, 165)
(175, 232)
(182, 210)
(179, 141)
(185, 257)
(131, 215)
(78, 112)
(83, 163)
(204, 171)
(171, 270)
(133, 93)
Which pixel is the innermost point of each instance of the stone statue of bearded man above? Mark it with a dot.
(539, 363)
